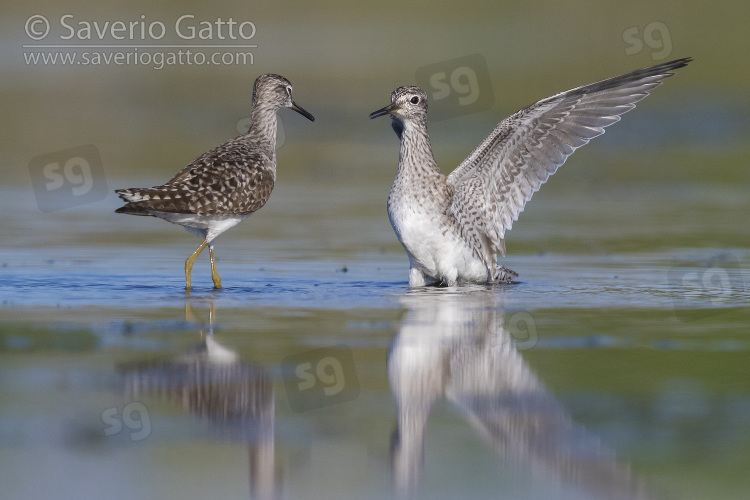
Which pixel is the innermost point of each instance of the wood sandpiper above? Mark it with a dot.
(452, 227)
(224, 186)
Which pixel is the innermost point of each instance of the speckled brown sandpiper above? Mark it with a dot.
(224, 186)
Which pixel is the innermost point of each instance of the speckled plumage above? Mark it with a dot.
(233, 179)
(222, 187)
(452, 227)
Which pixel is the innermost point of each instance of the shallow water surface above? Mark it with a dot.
(608, 372)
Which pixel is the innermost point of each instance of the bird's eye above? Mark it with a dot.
(415, 100)
(289, 91)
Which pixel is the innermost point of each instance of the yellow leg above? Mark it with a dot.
(189, 263)
(214, 275)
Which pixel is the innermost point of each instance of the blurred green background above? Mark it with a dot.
(345, 58)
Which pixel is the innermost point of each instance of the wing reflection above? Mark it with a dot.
(212, 383)
(457, 347)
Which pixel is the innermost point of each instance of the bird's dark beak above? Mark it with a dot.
(302, 111)
(383, 111)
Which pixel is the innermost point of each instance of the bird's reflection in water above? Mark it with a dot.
(457, 346)
(212, 383)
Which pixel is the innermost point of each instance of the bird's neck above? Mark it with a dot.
(415, 158)
(264, 125)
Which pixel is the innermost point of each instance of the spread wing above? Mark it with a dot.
(492, 186)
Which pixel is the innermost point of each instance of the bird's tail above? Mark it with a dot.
(132, 209)
(505, 275)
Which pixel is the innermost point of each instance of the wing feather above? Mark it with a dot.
(493, 185)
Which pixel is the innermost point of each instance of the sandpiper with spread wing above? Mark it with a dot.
(452, 227)
(224, 186)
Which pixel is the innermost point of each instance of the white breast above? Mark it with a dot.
(434, 245)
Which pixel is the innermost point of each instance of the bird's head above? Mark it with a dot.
(275, 90)
(408, 103)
